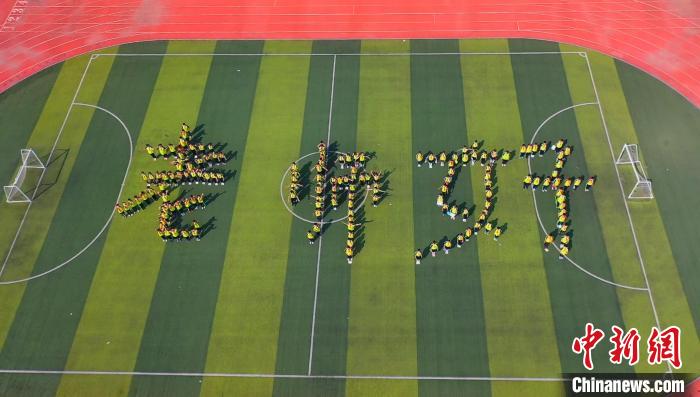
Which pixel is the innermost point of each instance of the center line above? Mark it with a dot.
(320, 237)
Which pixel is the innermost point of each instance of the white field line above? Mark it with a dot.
(347, 54)
(48, 161)
(111, 214)
(320, 237)
(624, 200)
(537, 211)
(280, 376)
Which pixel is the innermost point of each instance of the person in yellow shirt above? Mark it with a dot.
(564, 251)
(440, 200)
(536, 182)
(505, 158)
(151, 151)
(559, 145)
(465, 214)
(497, 233)
(442, 157)
(349, 254)
(311, 236)
(561, 220)
(548, 241)
(431, 159)
(527, 181)
(465, 158)
(460, 240)
(483, 157)
(546, 182)
(453, 212)
(523, 150)
(468, 234)
(418, 255)
(434, 248)
(447, 246)
(590, 183)
(565, 240)
(577, 182)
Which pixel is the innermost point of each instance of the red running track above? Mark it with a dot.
(661, 37)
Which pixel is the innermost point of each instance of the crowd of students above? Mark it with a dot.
(560, 184)
(348, 186)
(556, 181)
(468, 155)
(193, 162)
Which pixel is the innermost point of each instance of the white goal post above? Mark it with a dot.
(642, 187)
(14, 192)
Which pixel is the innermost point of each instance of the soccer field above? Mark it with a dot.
(93, 304)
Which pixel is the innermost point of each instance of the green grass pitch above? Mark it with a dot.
(253, 309)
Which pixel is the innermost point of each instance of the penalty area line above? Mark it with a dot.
(537, 211)
(48, 161)
(111, 214)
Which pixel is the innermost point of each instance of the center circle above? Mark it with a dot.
(291, 210)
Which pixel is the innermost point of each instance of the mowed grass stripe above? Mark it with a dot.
(382, 325)
(46, 321)
(110, 328)
(246, 324)
(333, 305)
(577, 298)
(330, 338)
(43, 135)
(519, 324)
(449, 308)
(297, 309)
(177, 328)
(653, 224)
(619, 243)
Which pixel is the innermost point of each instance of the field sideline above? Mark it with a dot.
(252, 309)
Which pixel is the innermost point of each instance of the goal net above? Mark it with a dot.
(642, 186)
(15, 192)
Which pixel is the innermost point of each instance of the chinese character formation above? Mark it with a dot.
(455, 161)
(562, 186)
(193, 163)
(331, 189)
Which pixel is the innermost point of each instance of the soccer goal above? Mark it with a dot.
(642, 187)
(14, 193)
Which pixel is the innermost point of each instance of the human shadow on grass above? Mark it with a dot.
(229, 175)
(304, 172)
(208, 226)
(197, 134)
